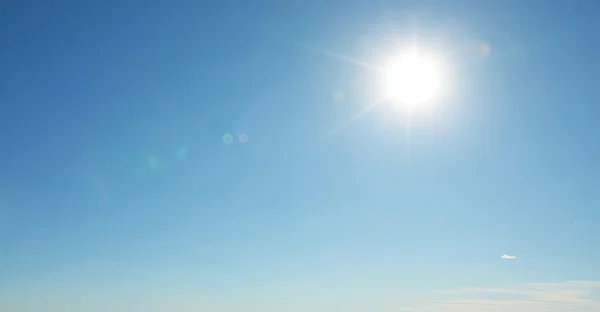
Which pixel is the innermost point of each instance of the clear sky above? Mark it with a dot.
(181, 155)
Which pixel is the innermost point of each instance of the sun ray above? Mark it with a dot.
(367, 109)
(338, 56)
(350, 60)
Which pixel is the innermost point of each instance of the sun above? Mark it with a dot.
(412, 79)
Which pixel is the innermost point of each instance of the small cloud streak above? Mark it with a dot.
(581, 296)
(508, 257)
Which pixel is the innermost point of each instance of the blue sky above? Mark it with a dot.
(116, 185)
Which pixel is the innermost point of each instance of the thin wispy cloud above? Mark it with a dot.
(581, 296)
(508, 257)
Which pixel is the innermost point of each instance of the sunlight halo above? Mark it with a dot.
(411, 78)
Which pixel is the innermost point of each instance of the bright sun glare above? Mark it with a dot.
(412, 79)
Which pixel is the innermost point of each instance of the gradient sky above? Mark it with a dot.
(118, 192)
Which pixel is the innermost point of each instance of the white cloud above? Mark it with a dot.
(505, 256)
(581, 296)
